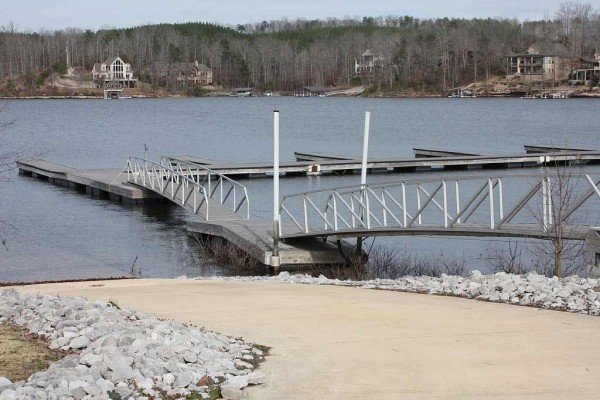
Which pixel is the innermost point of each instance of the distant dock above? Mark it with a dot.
(425, 160)
(109, 182)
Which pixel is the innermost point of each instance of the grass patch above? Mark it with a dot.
(23, 354)
(226, 255)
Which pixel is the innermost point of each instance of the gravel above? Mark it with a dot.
(118, 353)
(572, 294)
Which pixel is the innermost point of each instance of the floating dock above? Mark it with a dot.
(320, 157)
(536, 149)
(111, 182)
(426, 153)
(107, 183)
(404, 165)
(255, 237)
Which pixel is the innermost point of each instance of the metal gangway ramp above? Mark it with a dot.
(223, 208)
(510, 205)
(198, 189)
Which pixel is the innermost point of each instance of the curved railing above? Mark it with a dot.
(530, 203)
(219, 187)
(187, 187)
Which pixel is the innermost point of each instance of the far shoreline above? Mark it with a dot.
(384, 96)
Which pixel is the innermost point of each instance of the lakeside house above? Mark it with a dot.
(367, 63)
(188, 73)
(367, 66)
(586, 70)
(201, 74)
(113, 73)
(542, 61)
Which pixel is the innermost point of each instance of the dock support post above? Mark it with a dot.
(592, 245)
(275, 261)
(363, 175)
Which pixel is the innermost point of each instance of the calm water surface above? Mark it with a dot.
(62, 234)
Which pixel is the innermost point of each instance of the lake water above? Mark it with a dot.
(62, 234)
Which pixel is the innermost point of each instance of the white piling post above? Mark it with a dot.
(363, 175)
(275, 261)
(363, 171)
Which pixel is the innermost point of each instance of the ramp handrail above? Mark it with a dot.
(219, 187)
(444, 203)
(169, 183)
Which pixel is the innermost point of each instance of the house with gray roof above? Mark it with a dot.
(542, 61)
(366, 64)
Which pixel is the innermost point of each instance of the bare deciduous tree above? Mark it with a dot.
(8, 157)
(506, 259)
(560, 186)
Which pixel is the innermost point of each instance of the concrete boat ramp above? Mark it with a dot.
(332, 342)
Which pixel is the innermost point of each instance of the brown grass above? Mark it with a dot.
(21, 354)
(225, 254)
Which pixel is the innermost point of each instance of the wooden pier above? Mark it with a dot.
(536, 149)
(404, 165)
(425, 153)
(107, 182)
(254, 236)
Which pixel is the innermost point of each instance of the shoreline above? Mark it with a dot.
(568, 294)
(329, 340)
(384, 96)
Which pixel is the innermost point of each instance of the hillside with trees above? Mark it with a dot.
(425, 55)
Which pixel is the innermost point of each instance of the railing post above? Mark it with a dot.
(491, 195)
(335, 213)
(500, 199)
(545, 202)
(445, 192)
(404, 211)
(305, 215)
(419, 219)
(457, 202)
(383, 208)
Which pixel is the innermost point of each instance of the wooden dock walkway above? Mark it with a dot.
(107, 182)
(425, 153)
(536, 149)
(404, 165)
(254, 236)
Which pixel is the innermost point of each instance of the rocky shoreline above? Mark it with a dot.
(572, 294)
(123, 354)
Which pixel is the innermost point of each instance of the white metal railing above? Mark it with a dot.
(219, 187)
(482, 202)
(190, 190)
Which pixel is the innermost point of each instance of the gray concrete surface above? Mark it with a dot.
(344, 343)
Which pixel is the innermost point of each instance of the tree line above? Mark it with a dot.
(423, 54)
